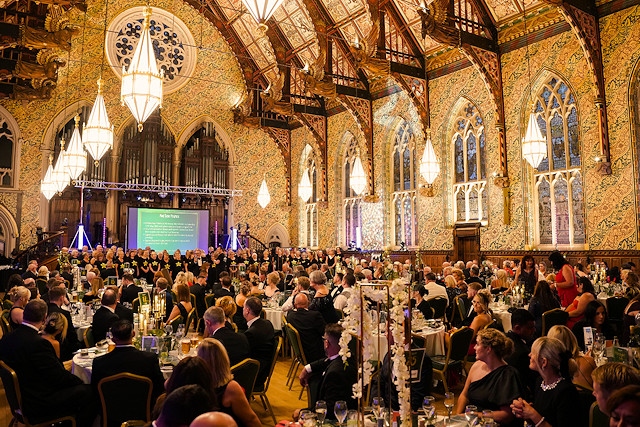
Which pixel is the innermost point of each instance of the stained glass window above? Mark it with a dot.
(470, 166)
(351, 201)
(558, 181)
(309, 213)
(403, 197)
(7, 153)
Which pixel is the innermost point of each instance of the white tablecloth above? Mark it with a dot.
(434, 342)
(81, 326)
(505, 318)
(81, 366)
(274, 315)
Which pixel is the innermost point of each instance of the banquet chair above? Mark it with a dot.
(596, 417)
(418, 340)
(209, 300)
(615, 311)
(261, 389)
(12, 392)
(175, 322)
(460, 309)
(124, 397)
(191, 319)
(89, 340)
(439, 305)
(135, 305)
(298, 354)
(550, 318)
(4, 322)
(7, 305)
(456, 355)
(245, 373)
(134, 423)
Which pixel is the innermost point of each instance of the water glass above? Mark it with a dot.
(378, 407)
(307, 419)
(471, 414)
(321, 411)
(449, 401)
(487, 417)
(340, 411)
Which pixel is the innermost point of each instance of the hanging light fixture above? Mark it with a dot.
(429, 166)
(534, 145)
(263, 195)
(358, 179)
(47, 187)
(97, 133)
(304, 188)
(261, 10)
(75, 158)
(60, 174)
(141, 88)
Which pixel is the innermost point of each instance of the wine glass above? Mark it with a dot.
(471, 414)
(307, 418)
(321, 411)
(340, 411)
(597, 350)
(429, 409)
(449, 401)
(378, 407)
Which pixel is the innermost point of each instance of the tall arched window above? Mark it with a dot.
(351, 204)
(9, 150)
(404, 177)
(309, 213)
(470, 175)
(558, 180)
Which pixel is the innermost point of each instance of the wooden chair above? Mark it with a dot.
(89, 340)
(125, 387)
(262, 388)
(615, 311)
(460, 309)
(439, 305)
(245, 373)
(550, 318)
(7, 305)
(209, 300)
(135, 305)
(191, 319)
(12, 391)
(175, 322)
(4, 322)
(298, 354)
(456, 355)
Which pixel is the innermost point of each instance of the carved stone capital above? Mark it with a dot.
(501, 181)
(603, 168)
(427, 191)
(371, 198)
(323, 204)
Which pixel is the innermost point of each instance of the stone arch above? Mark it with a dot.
(278, 234)
(10, 231)
(634, 133)
(13, 126)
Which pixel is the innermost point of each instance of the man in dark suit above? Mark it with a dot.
(330, 379)
(32, 270)
(70, 344)
(236, 344)
(260, 335)
(522, 333)
(105, 316)
(224, 289)
(126, 358)
(129, 289)
(310, 326)
(197, 290)
(48, 390)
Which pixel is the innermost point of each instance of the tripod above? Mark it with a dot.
(81, 235)
(232, 240)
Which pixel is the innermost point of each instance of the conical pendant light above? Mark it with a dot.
(97, 133)
(358, 178)
(304, 188)
(429, 166)
(534, 145)
(75, 157)
(47, 187)
(263, 195)
(60, 174)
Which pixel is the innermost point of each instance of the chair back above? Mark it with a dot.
(124, 397)
(4, 322)
(550, 318)
(418, 340)
(12, 390)
(175, 322)
(276, 350)
(615, 312)
(209, 301)
(191, 318)
(495, 324)
(245, 373)
(596, 417)
(89, 340)
(135, 305)
(7, 305)
(296, 343)
(462, 309)
(460, 342)
(439, 305)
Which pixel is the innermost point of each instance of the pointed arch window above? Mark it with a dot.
(470, 176)
(558, 189)
(404, 178)
(309, 212)
(351, 202)
(8, 153)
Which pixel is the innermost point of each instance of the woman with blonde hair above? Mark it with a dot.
(228, 305)
(229, 395)
(183, 305)
(97, 283)
(500, 283)
(55, 330)
(273, 279)
(19, 296)
(581, 366)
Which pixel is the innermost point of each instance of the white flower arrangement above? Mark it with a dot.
(364, 323)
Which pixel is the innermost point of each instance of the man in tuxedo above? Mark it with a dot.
(126, 358)
(236, 344)
(471, 314)
(302, 285)
(340, 301)
(337, 285)
(129, 290)
(310, 326)
(70, 344)
(329, 378)
(260, 335)
(105, 316)
(48, 390)
(522, 333)
(32, 270)
(224, 289)
(197, 290)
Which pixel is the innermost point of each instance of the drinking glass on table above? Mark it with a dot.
(321, 411)
(597, 350)
(487, 417)
(378, 407)
(471, 414)
(429, 409)
(340, 411)
(307, 418)
(449, 401)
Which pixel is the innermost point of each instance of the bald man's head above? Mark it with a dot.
(301, 301)
(213, 419)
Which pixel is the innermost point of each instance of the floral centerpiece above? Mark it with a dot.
(360, 320)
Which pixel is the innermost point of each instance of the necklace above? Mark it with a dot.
(547, 387)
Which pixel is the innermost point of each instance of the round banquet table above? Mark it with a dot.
(274, 315)
(504, 316)
(81, 366)
(81, 326)
(433, 342)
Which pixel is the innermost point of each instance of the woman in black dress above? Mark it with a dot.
(527, 274)
(420, 303)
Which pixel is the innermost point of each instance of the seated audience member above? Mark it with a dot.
(555, 397)
(271, 290)
(236, 344)
(228, 305)
(624, 407)
(228, 394)
(492, 384)
(329, 378)
(302, 285)
(419, 302)
(586, 294)
(129, 291)
(183, 405)
(467, 300)
(19, 296)
(48, 390)
(629, 318)
(322, 301)
(55, 330)
(611, 377)
(434, 289)
(105, 316)
(224, 289)
(481, 320)
(214, 419)
(341, 299)
(260, 334)
(595, 316)
(522, 333)
(584, 365)
(198, 291)
(500, 283)
(126, 358)
(310, 325)
(70, 344)
(162, 288)
(543, 299)
(183, 306)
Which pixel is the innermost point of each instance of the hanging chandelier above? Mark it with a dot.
(429, 166)
(534, 145)
(263, 195)
(75, 158)
(60, 174)
(47, 187)
(304, 188)
(97, 133)
(358, 179)
(141, 88)
(261, 10)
